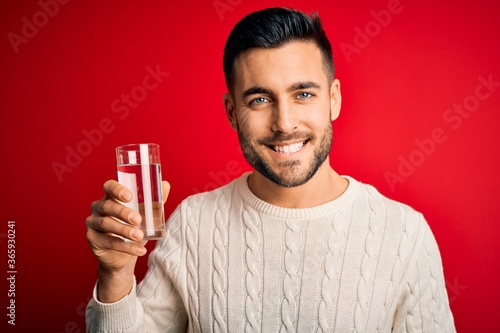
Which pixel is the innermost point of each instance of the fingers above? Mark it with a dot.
(103, 242)
(166, 190)
(113, 189)
(108, 207)
(110, 218)
(107, 224)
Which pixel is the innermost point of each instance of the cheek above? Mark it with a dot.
(242, 125)
(326, 114)
(319, 118)
(251, 123)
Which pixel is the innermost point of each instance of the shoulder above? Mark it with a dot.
(221, 193)
(405, 232)
(375, 201)
(197, 209)
(400, 222)
(203, 203)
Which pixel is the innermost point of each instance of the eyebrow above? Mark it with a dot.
(304, 85)
(296, 86)
(257, 90)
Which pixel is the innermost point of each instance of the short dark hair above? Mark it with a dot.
(272, 28)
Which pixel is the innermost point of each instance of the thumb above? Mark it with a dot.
(166, 190)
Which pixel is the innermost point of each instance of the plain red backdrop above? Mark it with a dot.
(64, 74)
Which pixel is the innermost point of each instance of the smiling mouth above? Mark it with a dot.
(288, 149)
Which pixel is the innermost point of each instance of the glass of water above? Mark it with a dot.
(139, 169)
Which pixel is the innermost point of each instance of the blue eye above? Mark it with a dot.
(259, 100)
(304, 95)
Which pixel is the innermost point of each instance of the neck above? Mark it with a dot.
(326, 185)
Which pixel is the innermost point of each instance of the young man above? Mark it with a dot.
(290, 247)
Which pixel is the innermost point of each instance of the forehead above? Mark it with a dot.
(278, 68)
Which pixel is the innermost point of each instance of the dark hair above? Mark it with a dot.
(272, 28)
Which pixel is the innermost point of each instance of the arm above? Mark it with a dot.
(424, 305)
(116, 258)
(160, 290)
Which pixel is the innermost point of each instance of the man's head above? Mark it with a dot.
(273, 28)
(282, 97)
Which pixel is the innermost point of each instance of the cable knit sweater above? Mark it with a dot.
(234, 263)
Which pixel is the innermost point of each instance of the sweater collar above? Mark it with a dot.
(342, 201)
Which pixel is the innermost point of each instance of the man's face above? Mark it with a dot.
(282, 108)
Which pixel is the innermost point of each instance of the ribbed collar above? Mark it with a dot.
(353, 189)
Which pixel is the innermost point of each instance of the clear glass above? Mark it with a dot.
(139, 169)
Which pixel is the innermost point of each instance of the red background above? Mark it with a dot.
(397, 88)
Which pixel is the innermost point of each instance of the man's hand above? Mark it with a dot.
(107, 226)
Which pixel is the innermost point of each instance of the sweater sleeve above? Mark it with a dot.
(424, 305)
(125, 315)
(155, 304)
(158, 292)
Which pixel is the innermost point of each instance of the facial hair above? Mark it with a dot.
(292, 173)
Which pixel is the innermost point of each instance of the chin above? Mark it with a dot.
(288, 179)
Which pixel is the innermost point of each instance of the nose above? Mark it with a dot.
(284, 118)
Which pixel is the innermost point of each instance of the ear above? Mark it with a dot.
(229, 105)
(336, 99)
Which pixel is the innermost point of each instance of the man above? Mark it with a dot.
(290, 247)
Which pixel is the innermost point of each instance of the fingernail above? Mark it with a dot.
(136, 234)
(135, 217)
(141, 251)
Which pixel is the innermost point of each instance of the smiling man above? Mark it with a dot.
(282, 103)
(290, 247)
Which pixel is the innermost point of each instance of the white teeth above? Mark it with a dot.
(290, 148)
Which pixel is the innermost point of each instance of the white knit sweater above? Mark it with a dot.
(234, 263)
